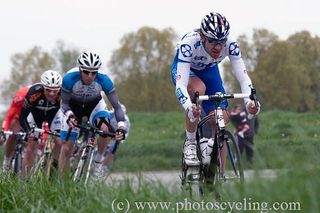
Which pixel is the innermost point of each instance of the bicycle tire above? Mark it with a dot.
(35, 171)
(87, 168)
(79, 170)
(48, 166)
(234, 156)
(17, 168)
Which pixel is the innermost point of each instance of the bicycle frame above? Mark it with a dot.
(88, 146)
(16, 162)
(45, 160)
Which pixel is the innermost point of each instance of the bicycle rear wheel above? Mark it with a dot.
(235, 170)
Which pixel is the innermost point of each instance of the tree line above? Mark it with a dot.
(285, 72)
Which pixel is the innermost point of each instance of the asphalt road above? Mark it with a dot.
(172, 178)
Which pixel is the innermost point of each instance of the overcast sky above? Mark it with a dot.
(98, 25)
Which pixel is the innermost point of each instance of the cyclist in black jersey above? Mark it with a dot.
(42, 103)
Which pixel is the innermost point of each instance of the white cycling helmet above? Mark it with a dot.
(89, 61)
(51, 79)
(215, 26)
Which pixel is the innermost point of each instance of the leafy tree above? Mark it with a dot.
(261, 41)
(26, 69)
(307, 49)
(66, 57)
(141, 68)
(287, 74)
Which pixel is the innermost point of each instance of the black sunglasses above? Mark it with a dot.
(217, 41)
(88, 72)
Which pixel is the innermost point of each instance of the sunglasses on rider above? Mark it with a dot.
(217, 41)
(52, 90)
(86, 72)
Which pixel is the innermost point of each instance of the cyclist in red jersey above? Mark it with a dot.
(11, 122)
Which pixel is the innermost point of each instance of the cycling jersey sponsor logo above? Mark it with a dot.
(234, 49)
(41, 101)
(181, 96)
(34, 97)
(197, 44)
(17, 99)
(186, 50)
(201, 58)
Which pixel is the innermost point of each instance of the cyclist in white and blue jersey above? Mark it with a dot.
(195, 68)
(81, 99)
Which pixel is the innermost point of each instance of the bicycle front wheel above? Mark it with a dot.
(235, 170)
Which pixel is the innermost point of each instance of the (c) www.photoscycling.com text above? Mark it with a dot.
(246, 204)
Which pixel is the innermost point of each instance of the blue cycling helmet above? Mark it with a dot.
(215, 26)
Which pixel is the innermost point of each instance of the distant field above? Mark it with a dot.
(286, 141)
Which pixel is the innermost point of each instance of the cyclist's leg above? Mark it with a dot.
(108, 155)
(68, 138)
(99, 117)
(54, 126)
(190, 151)
(29, 155)
(10, 144)
(195, 84)
(30, 148)
(241, 144)
(213, 81)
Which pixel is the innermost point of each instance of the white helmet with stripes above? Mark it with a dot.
(51, 79)
(89, 61)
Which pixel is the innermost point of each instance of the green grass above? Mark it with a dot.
(286, 141)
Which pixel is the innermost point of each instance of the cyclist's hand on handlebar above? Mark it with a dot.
(72, 121)
(120, 134)
(193, 112)
(253, 108)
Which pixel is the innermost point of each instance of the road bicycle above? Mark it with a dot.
(212, 175)
(15, 166)
(87, 149)
(44, 163)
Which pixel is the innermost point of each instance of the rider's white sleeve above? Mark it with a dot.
(182, 79)
(239, 69)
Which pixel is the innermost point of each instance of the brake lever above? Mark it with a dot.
(253, 95)
(196, 98)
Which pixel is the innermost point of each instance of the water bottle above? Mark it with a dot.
(209, 150)
(203, 148)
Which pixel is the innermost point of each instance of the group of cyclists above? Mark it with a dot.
(63, 102)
